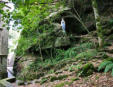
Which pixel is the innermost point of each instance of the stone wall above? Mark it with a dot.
(3, 66)
(3, 41)
(3, 50)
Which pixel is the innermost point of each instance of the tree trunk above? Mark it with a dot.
(98, 23)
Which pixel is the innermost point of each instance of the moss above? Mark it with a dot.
(58, 78)
(67, 83)
(109, 59)
(60, 85)
(64, 83)
(62, 77)
(74, 79)
(86, 70)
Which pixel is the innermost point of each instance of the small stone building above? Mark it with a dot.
(3, 50)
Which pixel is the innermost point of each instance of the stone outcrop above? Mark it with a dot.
(55, 38)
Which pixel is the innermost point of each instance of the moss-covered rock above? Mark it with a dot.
(86, 70)
(54, 39)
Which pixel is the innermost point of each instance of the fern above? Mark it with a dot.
(108, 67)
(103, 64)
(87, 54)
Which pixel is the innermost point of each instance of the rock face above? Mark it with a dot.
(62, 41)
(56, 38)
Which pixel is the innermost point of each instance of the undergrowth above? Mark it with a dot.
(60, 59)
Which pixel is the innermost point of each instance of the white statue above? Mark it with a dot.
(63, 25)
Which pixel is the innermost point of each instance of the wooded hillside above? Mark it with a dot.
(75, 53)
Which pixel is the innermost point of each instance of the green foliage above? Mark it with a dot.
(74, 51)
(31, 14)
(109, 59)
(104, 64)
(71, 68)
(59, 59)
(27, 75)
(43, 80)
(75, 79)
(84, 46)
(67, 82)
(110, 22)
(60, 77)
(5, 15)
(107, 65)
(24, 44)
(87, 54)
(51, 71)
(70, 53)
(61, 54)
(60, 85)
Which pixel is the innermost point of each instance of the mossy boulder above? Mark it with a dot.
(86, 70)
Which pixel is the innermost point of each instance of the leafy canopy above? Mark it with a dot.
(29, 13)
